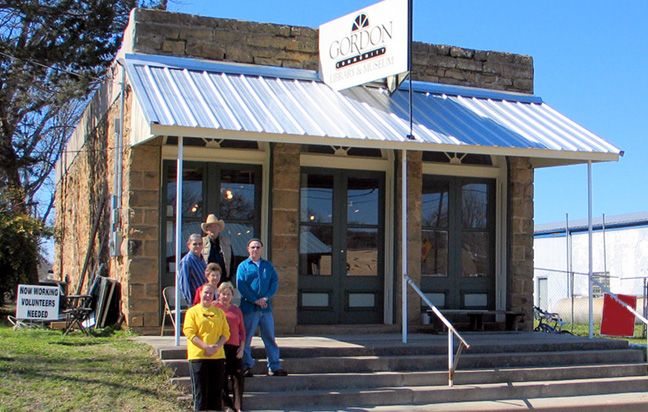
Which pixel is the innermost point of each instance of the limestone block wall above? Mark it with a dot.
(160, 32)
(284, 235)
(84, 191)
(141, 236)
(414, 204)
(520, 253)
(82, 197)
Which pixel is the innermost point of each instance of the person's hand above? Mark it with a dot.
(239, 352)
(262, 302)
(211, 349)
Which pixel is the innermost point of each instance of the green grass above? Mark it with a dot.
(42, 370)
(580, 329)
(583, 330)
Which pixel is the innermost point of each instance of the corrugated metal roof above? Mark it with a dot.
(623, 221)
(278, 102)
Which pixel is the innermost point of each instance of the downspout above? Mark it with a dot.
(116, 198)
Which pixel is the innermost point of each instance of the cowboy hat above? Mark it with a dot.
(212, 220)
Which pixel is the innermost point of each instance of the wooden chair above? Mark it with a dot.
(168, 294)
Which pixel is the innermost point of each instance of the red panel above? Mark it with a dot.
(617, 320)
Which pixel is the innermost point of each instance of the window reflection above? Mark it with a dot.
(192, 192)
(362, 201)
(475, 255)
(237, 191)
(434, 253)
(435, 203)
(239, 234)
(316, 199)
(474, 205)
(362, 252)
(315, 246)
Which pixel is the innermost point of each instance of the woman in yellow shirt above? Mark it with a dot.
(206, 329)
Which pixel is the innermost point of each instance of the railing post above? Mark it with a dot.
(450, 358)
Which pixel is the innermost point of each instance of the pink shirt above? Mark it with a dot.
(234, 318)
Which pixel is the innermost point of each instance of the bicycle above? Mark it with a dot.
(548, 322)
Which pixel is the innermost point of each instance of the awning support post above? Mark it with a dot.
(404, 244)
(589, 244)
(178, 240)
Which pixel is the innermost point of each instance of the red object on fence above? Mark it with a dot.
(617, 320)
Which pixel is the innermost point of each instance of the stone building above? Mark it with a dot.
(315, 173)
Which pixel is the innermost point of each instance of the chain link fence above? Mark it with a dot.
(567, 294)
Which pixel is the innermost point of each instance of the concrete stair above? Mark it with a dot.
(361, 372)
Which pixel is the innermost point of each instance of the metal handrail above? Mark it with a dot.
(626, 306)
(453, 359)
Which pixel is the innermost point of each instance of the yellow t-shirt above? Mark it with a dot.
(209, 324)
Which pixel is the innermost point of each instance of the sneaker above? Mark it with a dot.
(248, 373)
(278, 372)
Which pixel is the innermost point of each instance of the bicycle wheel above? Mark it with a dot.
(546, 328)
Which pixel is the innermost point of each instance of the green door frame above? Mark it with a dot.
(458, 290)
(342, 299)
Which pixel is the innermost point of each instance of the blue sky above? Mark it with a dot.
(591, 64)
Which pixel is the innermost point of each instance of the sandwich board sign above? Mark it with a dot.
(38, 302)
(367, 45)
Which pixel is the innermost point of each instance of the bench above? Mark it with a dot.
(476, 316)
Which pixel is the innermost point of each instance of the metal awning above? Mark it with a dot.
(215, 100)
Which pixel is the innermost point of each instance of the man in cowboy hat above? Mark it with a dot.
(217, 249)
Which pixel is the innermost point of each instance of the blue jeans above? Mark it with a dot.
(265, 322)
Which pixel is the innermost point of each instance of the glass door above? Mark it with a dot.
(458, 242)
(341, 264)
(231, 192)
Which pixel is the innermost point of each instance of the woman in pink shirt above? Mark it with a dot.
(233, 347)
(213, 275)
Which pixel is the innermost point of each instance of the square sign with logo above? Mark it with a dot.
(37, 302)
(364, 46)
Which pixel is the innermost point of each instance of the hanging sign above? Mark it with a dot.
(365, 46)
(37, 302)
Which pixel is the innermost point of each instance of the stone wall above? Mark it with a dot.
(83, 201)
(520, 251)
(414, 203)
(285, 232)
(84, 192)
(159, 32)
(141, 235)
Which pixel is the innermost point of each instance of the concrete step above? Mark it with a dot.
(295, 382)
(422, 395)
(435, 348)
(365, 364)
(615, 402)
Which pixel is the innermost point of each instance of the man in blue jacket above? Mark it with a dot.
(257, 281)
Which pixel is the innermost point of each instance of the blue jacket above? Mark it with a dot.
(255, 283)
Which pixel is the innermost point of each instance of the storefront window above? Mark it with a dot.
(231, 192)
